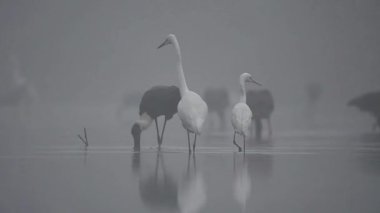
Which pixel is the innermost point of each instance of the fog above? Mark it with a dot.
(97, 50)
(75, 64)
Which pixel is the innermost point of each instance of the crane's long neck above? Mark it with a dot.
(181, 75)
(243, 97)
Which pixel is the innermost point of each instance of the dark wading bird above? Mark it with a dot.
(157, 101)
(261, 101)
(370, 103)
(217, 100)
(192, 109)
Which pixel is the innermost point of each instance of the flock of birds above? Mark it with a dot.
(190, 107)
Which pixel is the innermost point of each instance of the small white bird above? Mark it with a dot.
(192, 109)
(241, 113)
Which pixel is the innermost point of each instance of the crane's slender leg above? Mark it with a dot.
(269, 127)
(158, 134)
(162, 133)
(195, 141)
(234, 141)
(244, 143)
(188, 140)
(194, 163)
(188, 164)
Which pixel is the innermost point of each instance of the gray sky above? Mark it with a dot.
(97, 50)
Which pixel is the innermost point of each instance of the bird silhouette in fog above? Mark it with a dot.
(241, 113)
(19, 92)
(192, 191)
(192, 109)
(157, 101)
(158, 189)
(262, 104)
(217, 100)
(370, 103)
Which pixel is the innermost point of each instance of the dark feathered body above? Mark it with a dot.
(369, 102)
(261, 103)
(217, 99)
(157, 101)
(160, 100)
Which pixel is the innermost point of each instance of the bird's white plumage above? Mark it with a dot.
(241, 113)
(192, 111)
(241, 118)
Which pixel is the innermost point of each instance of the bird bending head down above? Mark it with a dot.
(141, 124)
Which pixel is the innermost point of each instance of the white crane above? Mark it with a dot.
(192, 109)
(241, 113)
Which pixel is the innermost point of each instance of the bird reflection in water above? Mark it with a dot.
(158, 192)
(192, 191)
(242, 182)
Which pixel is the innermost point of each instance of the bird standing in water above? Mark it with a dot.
(192, 109)
(157, 101)
(241, 113)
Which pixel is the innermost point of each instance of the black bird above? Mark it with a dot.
(262, 105)
(370, 103)
(217, 100)
(157, 101)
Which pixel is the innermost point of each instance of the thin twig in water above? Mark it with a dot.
(85, 141)
(85, 136)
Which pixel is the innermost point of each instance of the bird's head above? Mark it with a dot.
(169, 40)
(136, 133)
(246, 77)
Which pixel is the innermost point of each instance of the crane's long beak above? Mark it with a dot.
(253, 81)
(163, 43)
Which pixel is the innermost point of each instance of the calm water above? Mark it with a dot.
(318, 168)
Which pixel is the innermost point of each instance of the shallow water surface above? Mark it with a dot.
(298, 170)
(265, 179)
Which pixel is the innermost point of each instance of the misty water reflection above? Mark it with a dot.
(159, 190)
